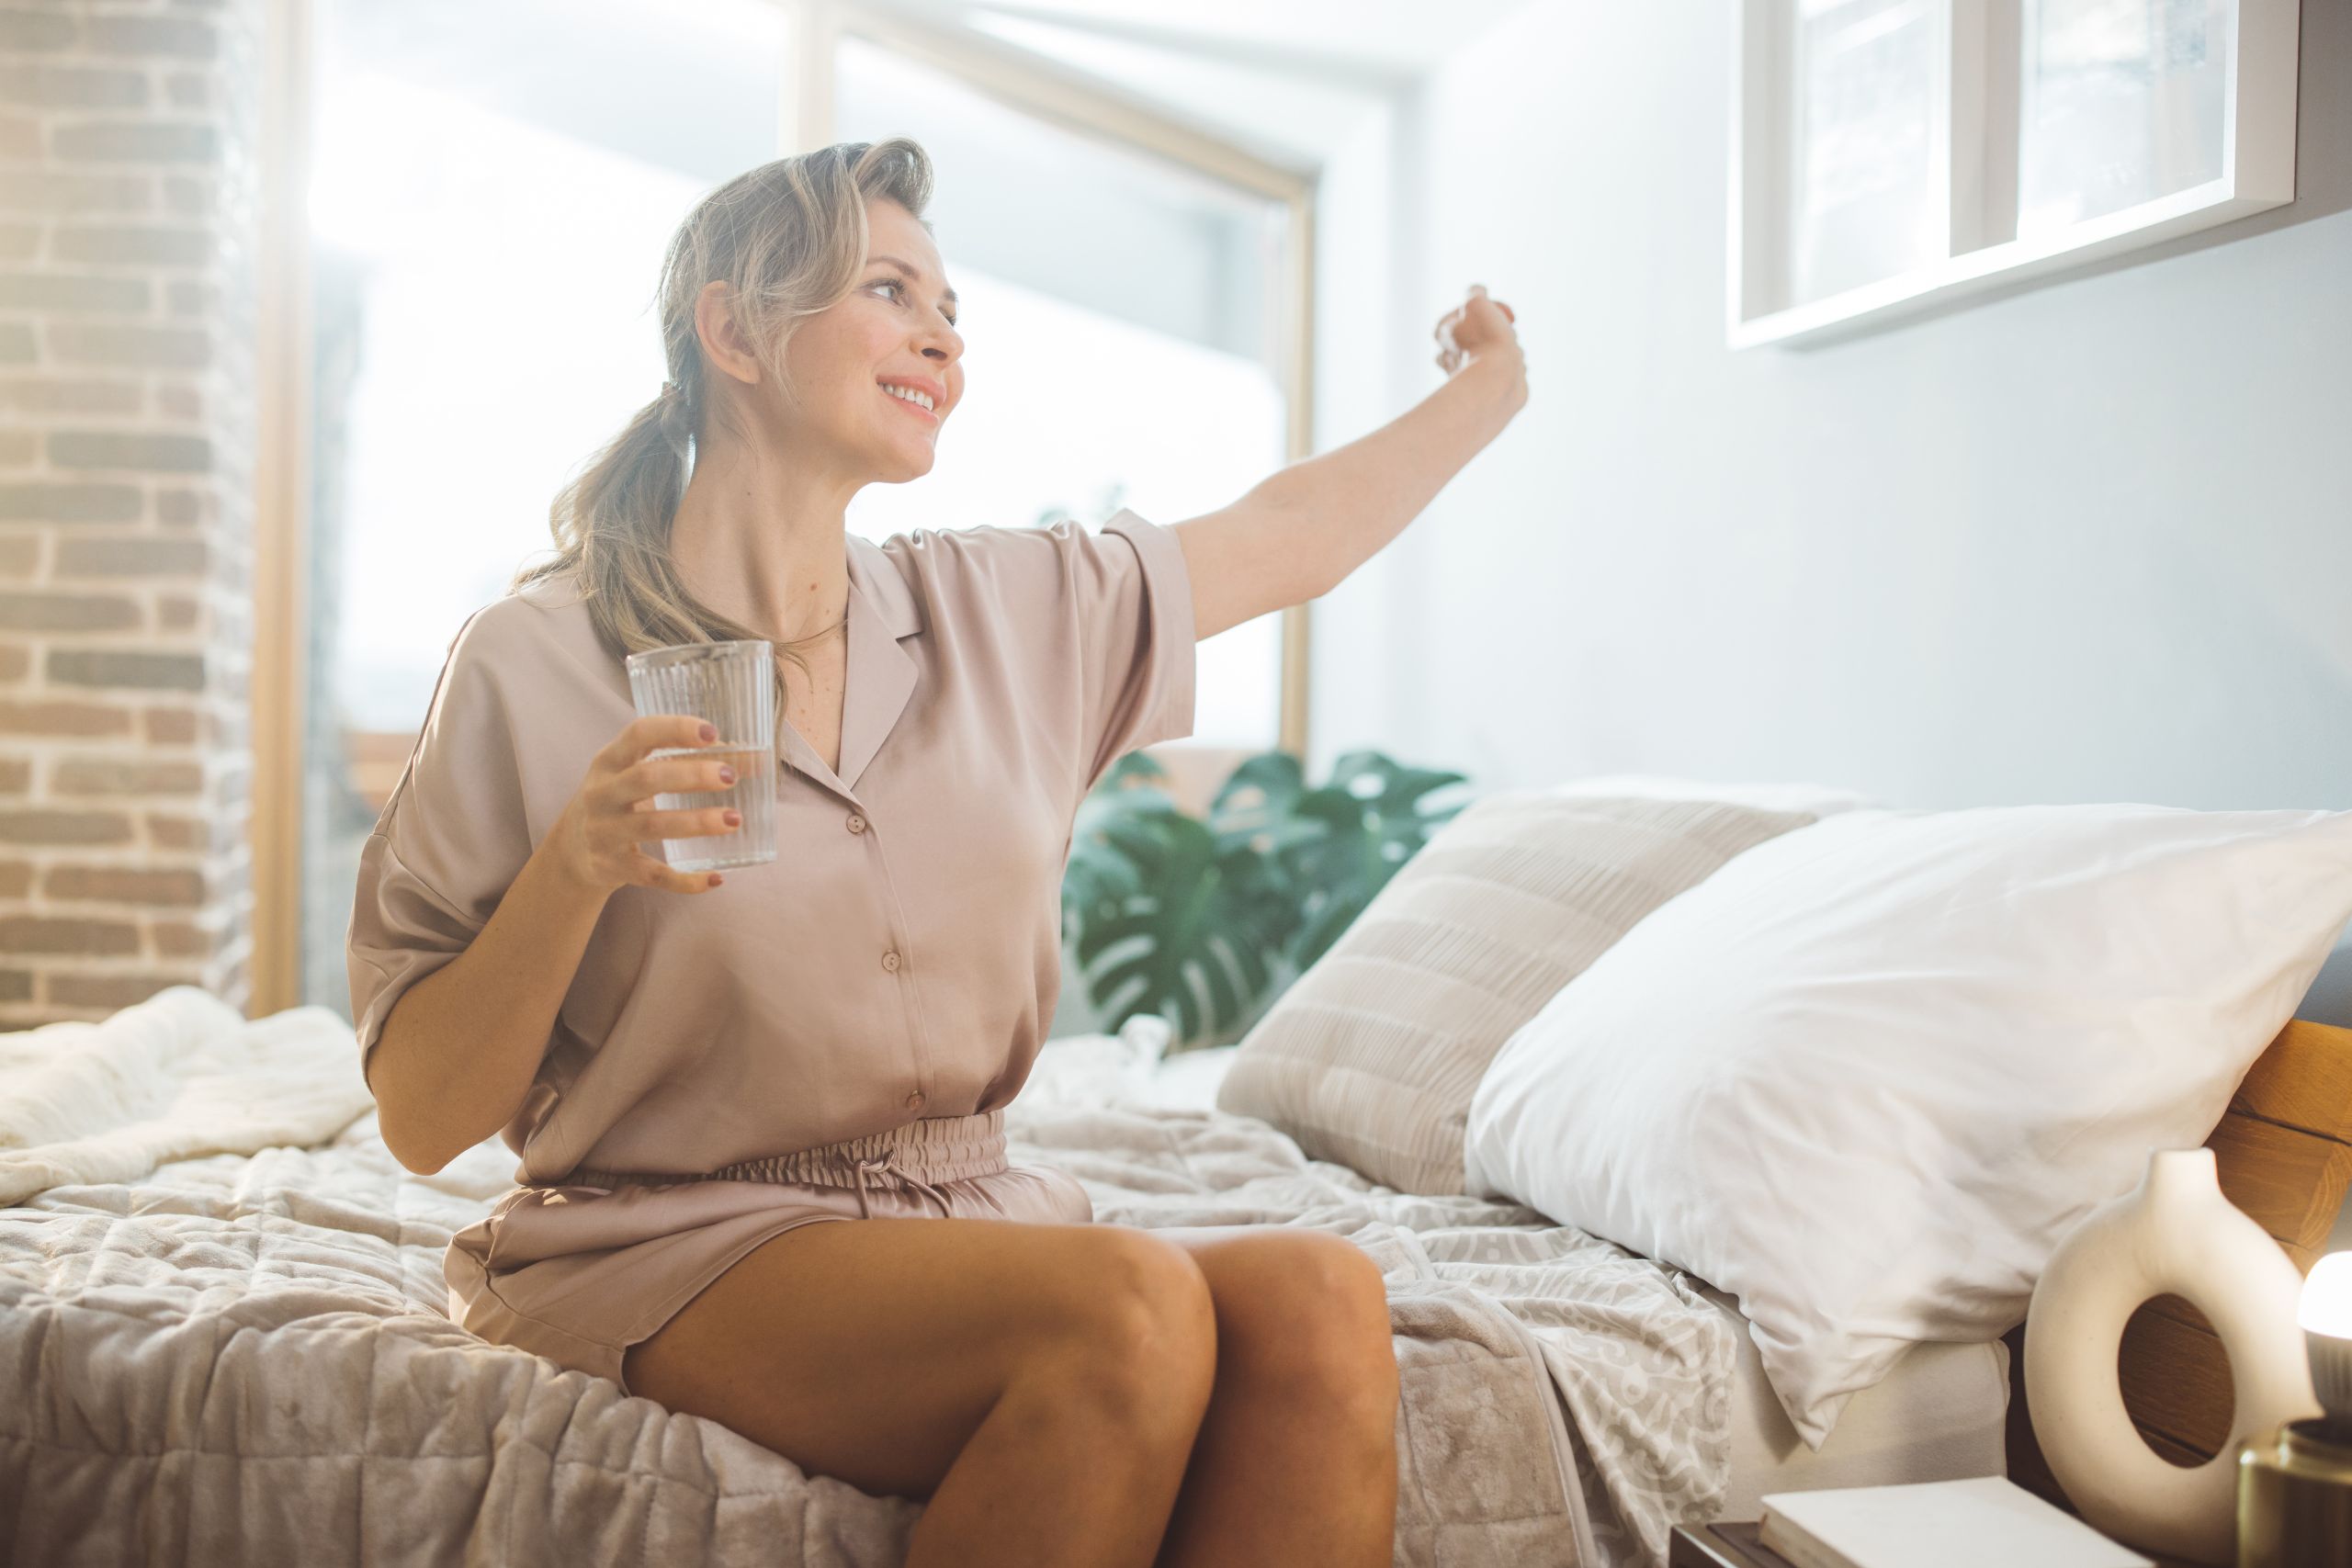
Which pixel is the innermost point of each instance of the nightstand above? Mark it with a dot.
(1720, 1545)
(1725, 1545)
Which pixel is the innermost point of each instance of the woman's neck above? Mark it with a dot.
(772, 555)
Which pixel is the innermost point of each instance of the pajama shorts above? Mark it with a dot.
(580, 1271)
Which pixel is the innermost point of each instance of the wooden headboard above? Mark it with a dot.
(2284, 1149)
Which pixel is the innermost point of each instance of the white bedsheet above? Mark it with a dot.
(1940, 1415)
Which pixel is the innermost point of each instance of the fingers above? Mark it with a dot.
(1451, 354)
(646, 868)
(1443, 330)
(674, 775)
(696, 822)
(646, 731)
(1478, 291)
(647, 871)
(614, 811)
(627, 778)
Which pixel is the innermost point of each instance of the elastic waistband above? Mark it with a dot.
(935, 1148)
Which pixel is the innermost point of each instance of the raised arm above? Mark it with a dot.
(1300, 531)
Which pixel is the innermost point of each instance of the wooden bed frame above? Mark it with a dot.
(2285, 1153)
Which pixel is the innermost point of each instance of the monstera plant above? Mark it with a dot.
(1205, 920)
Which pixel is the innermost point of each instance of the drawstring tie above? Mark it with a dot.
(887, 1161)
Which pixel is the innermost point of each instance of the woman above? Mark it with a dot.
(697, 1068)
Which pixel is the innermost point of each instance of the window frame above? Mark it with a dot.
(1982, 48)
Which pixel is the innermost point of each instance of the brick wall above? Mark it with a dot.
(128, 186)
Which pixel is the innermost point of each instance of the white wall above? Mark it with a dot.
(2088, 539)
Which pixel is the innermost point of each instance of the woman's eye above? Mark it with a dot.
(900, 284)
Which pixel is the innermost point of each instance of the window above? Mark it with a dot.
(493, 186)
(1119, 315)
(1888, 155)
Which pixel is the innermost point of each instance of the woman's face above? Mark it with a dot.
(896, 329)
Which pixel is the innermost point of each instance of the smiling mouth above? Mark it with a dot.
(915, 409)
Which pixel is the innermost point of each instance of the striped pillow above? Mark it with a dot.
(1369, 1060)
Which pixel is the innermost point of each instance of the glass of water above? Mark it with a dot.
(732, 684)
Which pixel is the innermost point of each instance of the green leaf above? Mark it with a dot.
(1114, 980)
(1257, 792)
(1109, 931)
(1217, 959)
(1187, 917)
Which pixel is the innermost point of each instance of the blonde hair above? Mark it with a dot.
(790, 239)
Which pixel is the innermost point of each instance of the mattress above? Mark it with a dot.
(1939, 1415)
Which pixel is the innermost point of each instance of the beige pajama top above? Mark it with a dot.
(898, 960)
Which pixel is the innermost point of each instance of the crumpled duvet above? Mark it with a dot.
(245, 1360)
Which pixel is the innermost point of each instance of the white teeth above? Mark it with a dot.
(909, 393)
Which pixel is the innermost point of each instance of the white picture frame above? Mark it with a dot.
(1890, 155)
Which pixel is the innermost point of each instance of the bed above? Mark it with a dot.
(1944, 1413)
(244, 1357)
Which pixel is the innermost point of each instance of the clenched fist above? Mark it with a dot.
(1480, 331)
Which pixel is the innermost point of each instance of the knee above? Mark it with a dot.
(1143, 1334)
(1337, 1350)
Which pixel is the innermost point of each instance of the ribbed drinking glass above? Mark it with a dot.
(732, 684)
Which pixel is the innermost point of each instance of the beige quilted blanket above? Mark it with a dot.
(242, 1359)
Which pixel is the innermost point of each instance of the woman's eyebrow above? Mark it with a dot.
(949, 295)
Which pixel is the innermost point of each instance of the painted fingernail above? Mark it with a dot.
(725, 774)
(710, 732)
(734, 817)
(716, 879)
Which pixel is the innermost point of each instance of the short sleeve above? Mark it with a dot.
(1135, 610)
(450, 840)
(1107, 620)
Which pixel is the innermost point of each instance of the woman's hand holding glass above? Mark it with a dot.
(596, 837)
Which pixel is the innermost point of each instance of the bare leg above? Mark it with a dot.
(1079, 1460)
(1296, 1462)
(1040, 1384)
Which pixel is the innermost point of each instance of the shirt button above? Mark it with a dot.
(890, 959)
(914, 1100)
(857, 823)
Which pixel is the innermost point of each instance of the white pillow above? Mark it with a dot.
(1868, 1074)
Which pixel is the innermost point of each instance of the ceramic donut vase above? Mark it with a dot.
(2173, 1235)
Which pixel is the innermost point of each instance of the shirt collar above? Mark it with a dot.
(872, 573)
